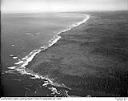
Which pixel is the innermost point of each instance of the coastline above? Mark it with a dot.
(20, 66)
(28, 58)
(91, 59)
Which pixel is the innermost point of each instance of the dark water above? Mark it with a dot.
(22, 33)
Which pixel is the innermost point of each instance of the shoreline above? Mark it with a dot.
(20, 66)
(90, 59)
(28, 58)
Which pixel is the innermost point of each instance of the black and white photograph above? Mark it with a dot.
(64, 48)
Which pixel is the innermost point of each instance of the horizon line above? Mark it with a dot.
(3, 12)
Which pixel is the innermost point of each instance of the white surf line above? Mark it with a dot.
(81, 22)
(20, 66)
(15, 57)
(76, 24)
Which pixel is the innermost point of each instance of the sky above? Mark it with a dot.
(13, 6)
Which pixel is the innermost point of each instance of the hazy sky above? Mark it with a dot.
(62, 5)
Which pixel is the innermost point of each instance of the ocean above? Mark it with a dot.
(25, 35)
